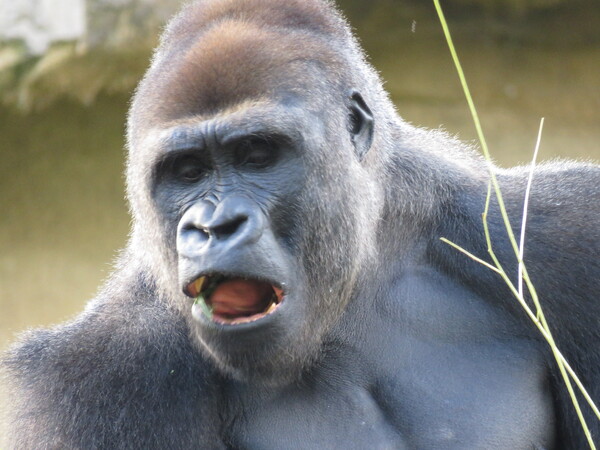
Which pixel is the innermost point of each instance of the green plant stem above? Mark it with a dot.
(539, 320)
(478, 127)
(540, 323)
(470, 255)
(533, 318)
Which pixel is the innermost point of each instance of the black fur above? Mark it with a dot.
(262, 146)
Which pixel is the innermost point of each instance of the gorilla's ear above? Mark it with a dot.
(361, 124)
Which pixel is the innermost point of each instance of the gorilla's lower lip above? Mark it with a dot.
(233, 300)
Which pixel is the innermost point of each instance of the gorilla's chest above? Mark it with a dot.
(350, 419)
(448, 399)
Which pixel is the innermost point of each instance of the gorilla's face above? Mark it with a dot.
(264, 210)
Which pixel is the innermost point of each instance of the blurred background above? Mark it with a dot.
(68, 69)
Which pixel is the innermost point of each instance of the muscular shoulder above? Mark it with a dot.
(563, 214)
(558, 186)
(117, 372)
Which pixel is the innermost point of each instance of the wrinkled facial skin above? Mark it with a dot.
(242, 198)
(252, 195)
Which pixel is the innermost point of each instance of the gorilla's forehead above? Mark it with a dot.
(232, 62)
(312, 16)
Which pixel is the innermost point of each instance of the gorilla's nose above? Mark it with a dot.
(232, 223)
(227, 227)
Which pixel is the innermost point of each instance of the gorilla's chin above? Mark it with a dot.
(272, 347)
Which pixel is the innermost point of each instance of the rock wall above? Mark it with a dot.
(51, 49)
(40, 23)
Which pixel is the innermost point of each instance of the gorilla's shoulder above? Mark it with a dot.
(109, 335)
(564, 205)
(115, 368)
(559, 180)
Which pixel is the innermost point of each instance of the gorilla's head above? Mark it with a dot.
(252, 177)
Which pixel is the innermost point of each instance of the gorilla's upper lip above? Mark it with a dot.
(231, 299)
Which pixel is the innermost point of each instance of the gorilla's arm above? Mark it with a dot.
(562, 245)
(121, 375)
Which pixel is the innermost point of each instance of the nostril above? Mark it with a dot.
(227, 229)
(190, 227)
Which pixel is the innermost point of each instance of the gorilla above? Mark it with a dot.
(285, 286)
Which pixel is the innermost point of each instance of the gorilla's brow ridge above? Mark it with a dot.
(224, 129)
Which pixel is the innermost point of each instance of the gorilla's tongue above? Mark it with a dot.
(238, 300)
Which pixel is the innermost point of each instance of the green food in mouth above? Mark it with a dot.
(206, 293)
(206, 310)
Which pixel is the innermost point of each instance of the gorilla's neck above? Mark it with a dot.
(424, 173)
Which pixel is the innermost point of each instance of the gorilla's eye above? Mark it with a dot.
(188, 168)
(256, 152)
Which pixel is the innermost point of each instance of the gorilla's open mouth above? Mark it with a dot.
(234, 300)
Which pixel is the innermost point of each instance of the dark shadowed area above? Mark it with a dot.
(61, 186)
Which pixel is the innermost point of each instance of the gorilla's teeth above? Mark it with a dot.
(196, 287)
(271, 308)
